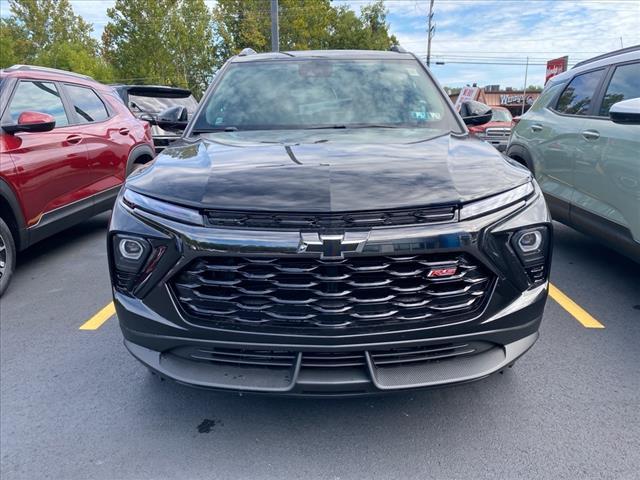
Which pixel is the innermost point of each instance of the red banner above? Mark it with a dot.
(555, 67)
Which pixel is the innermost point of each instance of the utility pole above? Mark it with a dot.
(275, 33)
(431, 30)
(524, 90)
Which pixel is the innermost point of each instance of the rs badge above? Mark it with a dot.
(442, 272)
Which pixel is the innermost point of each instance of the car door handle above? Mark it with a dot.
(591, 134)
(124, 131)
(74, 139)
(536, 127)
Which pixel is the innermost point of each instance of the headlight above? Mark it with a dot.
(497, 202)
(164, 209)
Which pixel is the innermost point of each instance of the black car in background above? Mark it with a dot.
(327, 226)
(148, 102)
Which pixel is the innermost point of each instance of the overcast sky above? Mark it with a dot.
(487, 31)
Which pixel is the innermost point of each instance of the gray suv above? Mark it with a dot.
(581, 139)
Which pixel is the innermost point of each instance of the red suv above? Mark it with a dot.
(67, 143)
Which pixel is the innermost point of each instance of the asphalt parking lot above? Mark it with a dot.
(75, 404)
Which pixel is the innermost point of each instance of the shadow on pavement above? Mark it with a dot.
(576, 247)
(68, 238)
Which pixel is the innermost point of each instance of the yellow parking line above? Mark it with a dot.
(579, 313)
(99, 318)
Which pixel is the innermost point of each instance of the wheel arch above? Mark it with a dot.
(12, 214)
(521, 155)
(139, 154)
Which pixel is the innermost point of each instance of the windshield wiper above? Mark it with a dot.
(213, 130)
(354, 125)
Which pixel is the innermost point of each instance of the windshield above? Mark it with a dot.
(501, 116)
(307, 94)
(138, 103)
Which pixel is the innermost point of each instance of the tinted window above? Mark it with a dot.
(86, 104)
(40, 97)
(500, 115)
(138, 103)
(576, 98)
(624, 84)
(307, 93)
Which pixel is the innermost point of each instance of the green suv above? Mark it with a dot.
(581, 139)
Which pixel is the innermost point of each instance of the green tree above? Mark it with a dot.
(374, 19)
(240, 24)
(13, 42)
(346, 30)
(304, 24)
(48, 33)
(195, 60)
(161, 41)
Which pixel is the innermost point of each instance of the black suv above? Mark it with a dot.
(327, 226)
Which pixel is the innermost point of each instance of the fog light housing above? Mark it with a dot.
(130, 248)
(130, 253)
(531, 246)
(530, 241)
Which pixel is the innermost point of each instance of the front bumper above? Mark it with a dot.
(158, 332)
(499, 143)
(505, 346)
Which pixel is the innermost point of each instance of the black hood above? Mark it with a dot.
(328, 177)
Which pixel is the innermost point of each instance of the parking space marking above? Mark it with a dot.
(576, 311)
(99, 318)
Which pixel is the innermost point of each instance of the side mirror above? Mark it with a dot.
(475, 113)
(31, 122)
(626, 112)
(173, 118)
(147, 117)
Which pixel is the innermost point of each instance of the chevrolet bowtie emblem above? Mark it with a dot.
(332, 247)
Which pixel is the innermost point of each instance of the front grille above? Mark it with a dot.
(332, 359)
(274, 359)
(498, 132)
(405, 356)
(328, 221)
(356, 294)
(239, 357)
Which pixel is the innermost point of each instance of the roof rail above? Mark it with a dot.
(37, 68)
(247, 51)
(607, 55)
(397, 48)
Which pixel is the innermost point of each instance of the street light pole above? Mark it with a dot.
(430, 31)
(275, 32)
(524, 89)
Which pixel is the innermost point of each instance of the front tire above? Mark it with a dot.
(7, 256)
